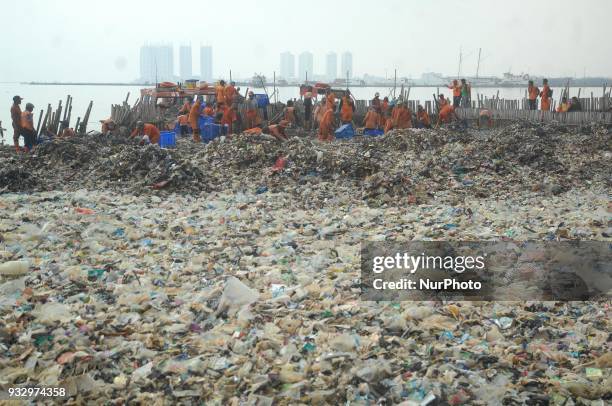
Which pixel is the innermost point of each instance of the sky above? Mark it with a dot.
(99, 41)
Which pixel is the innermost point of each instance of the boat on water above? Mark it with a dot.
(511, 80)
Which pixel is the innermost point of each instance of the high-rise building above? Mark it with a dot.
(156, 63)
(185, 62)
(206, 63)
(287, 65)
(305, 65)
(331, 66)
(347, 65)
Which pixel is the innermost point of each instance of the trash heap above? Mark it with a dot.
(237, 281)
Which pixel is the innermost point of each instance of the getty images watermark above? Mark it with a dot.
(486, 270)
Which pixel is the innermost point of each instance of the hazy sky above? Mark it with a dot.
(76, 40)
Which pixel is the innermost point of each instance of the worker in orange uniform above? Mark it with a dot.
(183, 122)
(230, 93)
(485, 115)
(229, 118)
(563, 106)
(289, 113)
(402, 116)
(277, 130)
(347, 108)
(442, 101)
(194, 120)
(252, 112)
(372, 119)
(16, 119)
(186, 107)
(330, 98)
(447, 113)
(533, 93)
(456, 93)
(319, 111)
(422, 118)
(545, 96)
(384, 107)
(109, 127)
(388, 119)
(148, 133)
(326, 127)
(220, 92)
(27, 127)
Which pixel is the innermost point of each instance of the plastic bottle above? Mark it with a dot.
(14, 268)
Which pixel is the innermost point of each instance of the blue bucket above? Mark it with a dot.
(167, 139)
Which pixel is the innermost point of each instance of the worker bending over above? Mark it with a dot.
(275, 130)
(446, 115)
(485, 115)
(326, 128)
(147, 133)
(372, 119)
(422, 118)
(402, 116)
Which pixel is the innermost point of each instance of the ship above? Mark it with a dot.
(510, 80)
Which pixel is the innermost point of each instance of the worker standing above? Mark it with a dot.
(308, 110)
(252, 116)
(27, 127)
(376, 102)
(456, 93)
(229, 118)
(326, 128)
(230, 93)
(402, 116)
(466, 93)
(319, 112)
(194, 120)
(220, 92)
(16, 118)
(347, 108)
(533, 92)
(545, 96)
(330, 98)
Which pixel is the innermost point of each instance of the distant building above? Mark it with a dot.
(331, 66)
(346, 65)
(287, 65)
(156, 63)
(206, 64)
(185, 62)
(305, 66)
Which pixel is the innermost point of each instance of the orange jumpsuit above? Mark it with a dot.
(253, 131)
(150, 130)
(252, 117)
(290, 114)
(220, 94)
(186, 108)
(371, 120)
(229, 116)
(331, 100)
(442, 102)
(194, 116)
(423, 117)
(230, 94)
(402, 117)
(445, 113)
(326, 128)
(384, 107)
(388, 125)
(545, 102)
(346, 112)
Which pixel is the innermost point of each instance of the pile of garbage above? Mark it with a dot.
(236, 279)
(404, 162)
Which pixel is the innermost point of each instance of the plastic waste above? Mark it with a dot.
(14, 268)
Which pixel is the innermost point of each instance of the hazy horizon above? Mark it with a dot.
(68, 40)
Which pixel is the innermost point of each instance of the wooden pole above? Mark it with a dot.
(39, 120)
